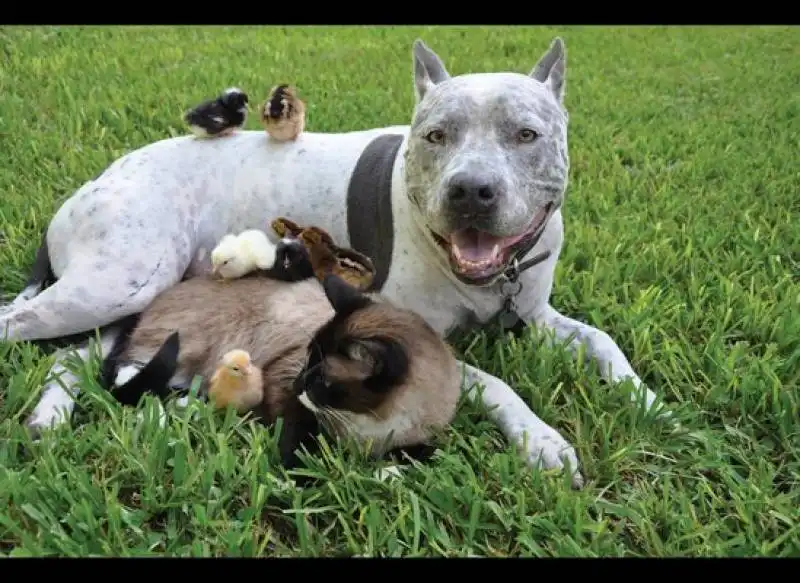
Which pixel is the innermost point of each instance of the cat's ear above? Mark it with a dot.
(389, 360)
(344, 298)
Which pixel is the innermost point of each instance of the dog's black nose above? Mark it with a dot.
(472, 195)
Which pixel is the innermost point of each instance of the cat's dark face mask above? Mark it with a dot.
(312, 374)
(317, 387)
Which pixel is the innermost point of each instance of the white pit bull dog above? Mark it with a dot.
(456, 211)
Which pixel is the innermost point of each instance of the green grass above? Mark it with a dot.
(683, 243)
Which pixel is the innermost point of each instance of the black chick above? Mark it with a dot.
(292, 262)
(220, 116)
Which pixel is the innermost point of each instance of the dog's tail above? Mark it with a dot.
(153, 378)
(41, 275)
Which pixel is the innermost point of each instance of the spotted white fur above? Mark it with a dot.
(26, 294)
(113, 255)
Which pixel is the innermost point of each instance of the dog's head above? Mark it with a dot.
(487, 163)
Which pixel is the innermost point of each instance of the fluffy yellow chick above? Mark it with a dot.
(236, 383)
(237, 255)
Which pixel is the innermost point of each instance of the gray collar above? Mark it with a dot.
(369, 205)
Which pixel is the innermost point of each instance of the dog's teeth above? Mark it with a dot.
(474, 264)
(468, 264)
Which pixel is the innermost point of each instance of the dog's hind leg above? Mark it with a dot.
(57, 400)
(83, 299)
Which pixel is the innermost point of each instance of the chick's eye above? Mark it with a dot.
(225, 262)
(527, 135)
(435, 136)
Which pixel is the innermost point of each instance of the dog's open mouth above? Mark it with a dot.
(477, 257)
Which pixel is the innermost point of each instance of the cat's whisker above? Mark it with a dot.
(333, 424)
(325, 421)
(335, 415)
(341, 419)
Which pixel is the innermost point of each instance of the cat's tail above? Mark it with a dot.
(153, 378)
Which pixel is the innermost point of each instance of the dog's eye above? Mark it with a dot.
(435, 136)
(526, 135)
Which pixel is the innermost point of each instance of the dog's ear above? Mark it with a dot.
(428, 69)
(551, 68)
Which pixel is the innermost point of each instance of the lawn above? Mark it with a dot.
(683, 242)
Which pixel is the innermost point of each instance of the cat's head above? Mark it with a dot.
(378, 373)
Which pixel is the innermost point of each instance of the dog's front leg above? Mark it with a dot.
(538, 442)
(614, 366)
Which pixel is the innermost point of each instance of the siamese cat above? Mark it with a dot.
(332, 358)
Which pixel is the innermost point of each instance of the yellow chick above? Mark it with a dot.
(236, 383)
(283, 114)
(237, 255)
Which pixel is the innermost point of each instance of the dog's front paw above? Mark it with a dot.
(544, 447)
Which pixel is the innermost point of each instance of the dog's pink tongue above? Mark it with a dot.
(474, 246)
